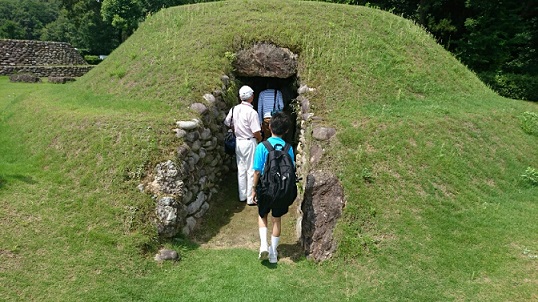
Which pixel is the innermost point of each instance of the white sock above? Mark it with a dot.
(263, 237)
(274, 242)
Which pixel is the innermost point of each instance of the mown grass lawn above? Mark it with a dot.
(431, 162)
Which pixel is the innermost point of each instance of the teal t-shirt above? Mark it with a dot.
(261, 153)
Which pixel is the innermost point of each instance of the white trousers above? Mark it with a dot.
(244, 156)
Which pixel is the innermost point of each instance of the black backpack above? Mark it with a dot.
(278, 181)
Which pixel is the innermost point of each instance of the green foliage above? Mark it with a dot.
(531, 176)
(125, 15)
(367, 175)
(498, 38)
(61, 29)
(92, 60)
(91, 31)
(529, 122)
(11, 30)
(492, 36)
(516, 86)
(26, 19)
(230, 56)
(122, 14)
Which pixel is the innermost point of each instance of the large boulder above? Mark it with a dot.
(322, 207)
(265, 60)
(25, 77)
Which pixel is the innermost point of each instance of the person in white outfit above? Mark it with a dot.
(244, 121)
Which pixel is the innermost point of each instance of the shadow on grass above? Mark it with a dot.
(269, 265)
(289, 252)
(292, 251)
(221, 209)
(23, 178)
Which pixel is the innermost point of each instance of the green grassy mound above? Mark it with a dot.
(430, 159)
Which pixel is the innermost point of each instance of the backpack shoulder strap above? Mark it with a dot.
(268, 146)
(232, 120)
(286, 151)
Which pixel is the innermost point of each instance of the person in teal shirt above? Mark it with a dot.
(280, 124)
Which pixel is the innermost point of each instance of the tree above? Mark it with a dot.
(491, 31)
(123, 15)
(11, 30)
(88, 31)
(25, 19)
(60, 30)
(497, 39)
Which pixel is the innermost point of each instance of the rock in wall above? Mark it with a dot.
(322, 207)
(322, 200)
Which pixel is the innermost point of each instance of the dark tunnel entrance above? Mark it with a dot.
(288, 87)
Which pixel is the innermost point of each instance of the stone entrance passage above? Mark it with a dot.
(264, 66)
(184, 188)
(320, 202)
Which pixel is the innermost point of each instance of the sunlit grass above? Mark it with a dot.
(431, 161)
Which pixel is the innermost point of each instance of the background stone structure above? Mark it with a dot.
(42, 58)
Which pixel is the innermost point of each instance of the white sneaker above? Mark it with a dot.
(273, 255)
(264, 253)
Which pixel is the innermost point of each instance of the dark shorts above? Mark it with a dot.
(275, 209)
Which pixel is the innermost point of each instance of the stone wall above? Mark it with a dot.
(46, 71)
(321, 201)
(41, 58)
(183, 187)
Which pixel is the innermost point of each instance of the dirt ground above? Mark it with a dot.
(233, 224)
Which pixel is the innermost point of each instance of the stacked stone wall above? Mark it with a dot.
(183, 187)
(46, 71)
(322, 199)
(42, 58)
